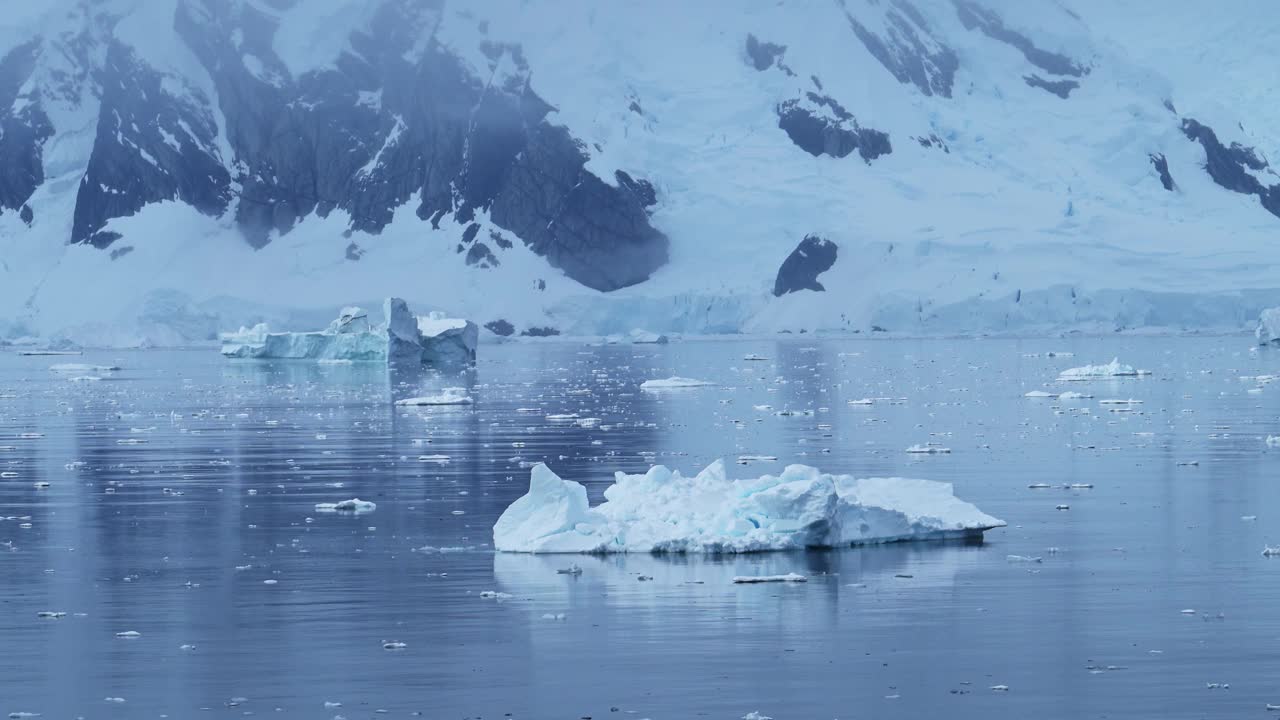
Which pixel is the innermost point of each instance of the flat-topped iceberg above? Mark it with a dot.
(673, 382)
(1115, 368)
(1268, 331)
(663, 511)
(402, 338)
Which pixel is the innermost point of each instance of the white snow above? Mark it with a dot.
(1094, 372)
(664, 511)
(673, 382)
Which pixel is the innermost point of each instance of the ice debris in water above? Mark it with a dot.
(416, 340)
(448, 396)
(1115, 368)
(664, 511)
(82, 368)
(928, 450)
(673, 382)
(753, 579)
(1270, 551)
(355, 505)
(1039, 394)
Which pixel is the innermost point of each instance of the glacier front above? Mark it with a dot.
(663, 511)
(401, 339)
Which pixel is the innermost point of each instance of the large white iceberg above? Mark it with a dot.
(402, 338)
(663, 511)
(1115, 368)
(1268, 331)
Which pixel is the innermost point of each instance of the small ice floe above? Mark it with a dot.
(270, 582)
(1217, 686)
(553, 616)
(1023, 559)
(392, 645)
(51, 615)
(754, 357)
(1270, 551)
(31, 436)
(744, 459)
(1120, 401)
(1069, 395)
(1039, 486)
(1188, 611)
(756, 715)
(354, 505)
(929, 449)
(438, 459)
(1062, 507)
(113, 700)
(129, 635)
(448, 396)
(84, 378)
(1273, 440)
(131, 441)
(674, 382)
(1000, 688)
(8, 474)
(82, 368)
(573, 569)
(1248, 518)
(1039, 394)
(1094, 372)
(862, 401)
(753, 579)
(1189, 463)
(1273, 708)
(562, 417)
(22, 715)
(494, 595)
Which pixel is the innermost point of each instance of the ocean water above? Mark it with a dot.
(183, 483)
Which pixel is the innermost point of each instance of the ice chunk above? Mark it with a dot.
(1268, 331)
(401, 339)
(753, 579)
(928, 450)
(673, 382)
(82, 368)
(1039, 394)
(663, 511)
(355, 505)
(448, 396)
(1115, 368)
(644, 337)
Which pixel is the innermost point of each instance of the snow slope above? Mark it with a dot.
(965, 194)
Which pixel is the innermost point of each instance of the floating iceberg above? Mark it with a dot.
(1115, 368)
(1268, 331)
(354, 505)
(663, 511)
(644, 337)
(449, 396)
(673, 382)
(403, 338)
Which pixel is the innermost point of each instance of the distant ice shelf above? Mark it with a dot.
(663, 511)
(402, 338)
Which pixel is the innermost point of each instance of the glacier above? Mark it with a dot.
(401, 339)
(663, 511)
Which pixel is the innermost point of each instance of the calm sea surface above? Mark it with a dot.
(180, 506)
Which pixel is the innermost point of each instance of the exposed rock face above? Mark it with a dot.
(975, 17)
(1233, 166)
(24, 127)
(1162, 167)
(500, 327)
(1061, 88)
(764, 54)
(397, 118)
(909, 51)
(819, 125)
(812, 257)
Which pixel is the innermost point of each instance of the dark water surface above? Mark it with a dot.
(200, 475)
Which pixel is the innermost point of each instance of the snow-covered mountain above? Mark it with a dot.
(169, 168)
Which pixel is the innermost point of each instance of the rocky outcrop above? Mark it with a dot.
(819, 125)
(24, 127)
(812, 257)
(909, 50)
(1161, 165)
(976, 17)
(1233, 166)
(1061, 88)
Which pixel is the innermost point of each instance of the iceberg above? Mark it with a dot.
(403, 338)
(663, 511)
(1115, 368)
(354, 505)
(1268, 330)
(449, 396)
(673, 382)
